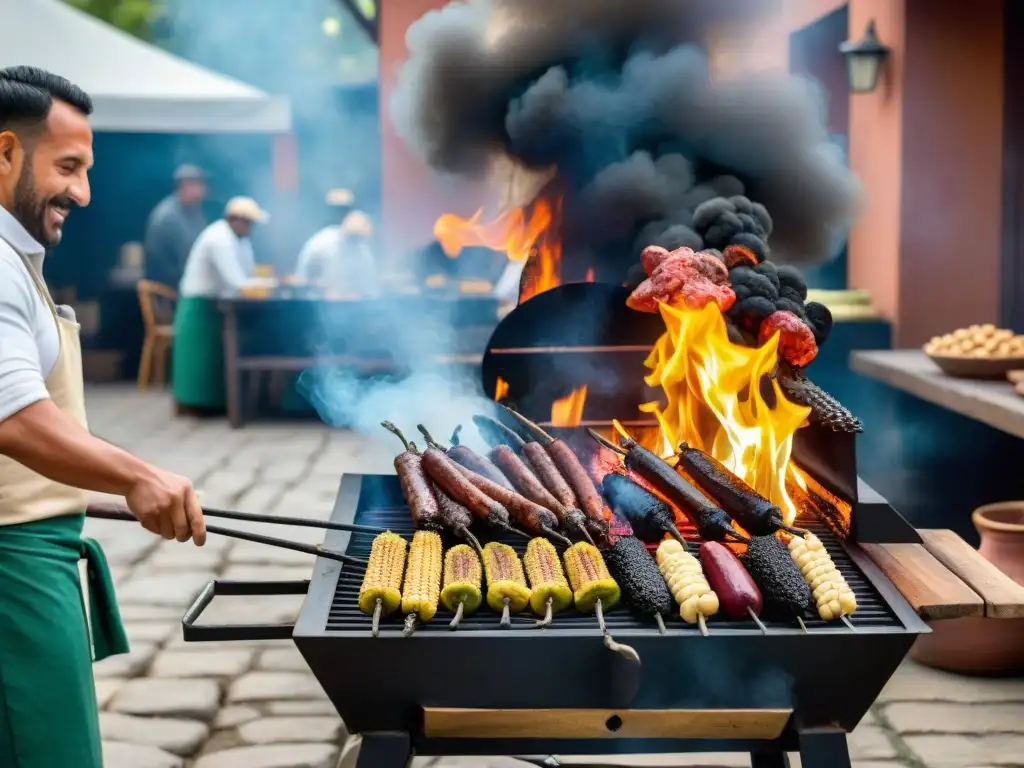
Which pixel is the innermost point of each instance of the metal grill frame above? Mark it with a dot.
(829, 678)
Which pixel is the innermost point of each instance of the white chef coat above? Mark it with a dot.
(29, 342)
(345, 264)
(219, 264)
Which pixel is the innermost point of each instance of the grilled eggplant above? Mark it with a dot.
(648, 516)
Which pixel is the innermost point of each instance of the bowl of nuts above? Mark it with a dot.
(978, 351)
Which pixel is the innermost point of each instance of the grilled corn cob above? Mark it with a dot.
(462, 573)
(686, 581)
(422, 586)
(594, 589)
(506, 584)
(637, 574)
(589, 578)
(786, 595)
(551, 592)
(380, 593)
(831, 594)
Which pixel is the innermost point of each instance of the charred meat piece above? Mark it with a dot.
(682, 277)
(746, 506)
(712, 523)
(639, 578)
(796, 342)
(648, 516)
(785, 594)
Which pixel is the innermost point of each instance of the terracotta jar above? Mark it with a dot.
(991, 647)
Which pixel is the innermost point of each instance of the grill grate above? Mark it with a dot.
(872, 611)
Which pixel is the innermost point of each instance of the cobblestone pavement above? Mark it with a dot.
(168, 704)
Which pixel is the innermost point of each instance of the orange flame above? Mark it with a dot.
(721, 399)
(568, 411)
(519, 233)
(500, 389)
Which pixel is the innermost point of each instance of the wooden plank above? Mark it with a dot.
(604, 723)
(930, 588)
(990, 402)
(1004, 598)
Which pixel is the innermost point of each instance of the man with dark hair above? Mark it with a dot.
(174, 225)
(48, 459)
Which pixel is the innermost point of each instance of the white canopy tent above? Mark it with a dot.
(135, 87)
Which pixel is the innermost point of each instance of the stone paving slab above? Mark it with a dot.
(157, 699)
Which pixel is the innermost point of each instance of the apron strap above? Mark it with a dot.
(108, 635)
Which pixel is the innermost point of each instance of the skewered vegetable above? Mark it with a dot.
(594, 590)
(529, 516)
(422, 586)
(638, 576)
(589, 578)
(575, 475)
(737, 593)
(648, 516)
(506, 584)
(551, 592)
(417, 488)
(712, 522)
(380, 593)
(508, 454)
(785, 594)
(471, 460)
(832, 596)
(449, 479)
(462, 574)
(687, 583)
(747, 507)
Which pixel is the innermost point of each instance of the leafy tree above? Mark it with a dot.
(131, 16)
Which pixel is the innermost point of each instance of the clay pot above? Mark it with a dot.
(990, 647)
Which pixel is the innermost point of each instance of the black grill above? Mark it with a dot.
(345, 616)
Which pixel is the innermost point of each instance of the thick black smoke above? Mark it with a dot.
(610, 93)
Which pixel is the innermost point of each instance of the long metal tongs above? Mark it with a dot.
(114, 511)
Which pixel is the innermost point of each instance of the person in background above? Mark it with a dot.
(339, 257)
(220, 264)
(49, 461)
(174, 225)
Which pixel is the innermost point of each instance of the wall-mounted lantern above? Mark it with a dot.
(864, 59)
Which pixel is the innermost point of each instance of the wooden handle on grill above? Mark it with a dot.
(108, 511)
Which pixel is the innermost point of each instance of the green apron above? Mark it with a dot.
(48, 712)
(197, 362)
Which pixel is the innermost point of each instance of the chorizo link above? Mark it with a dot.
(534, 518)
(448, 475)
(417, 488)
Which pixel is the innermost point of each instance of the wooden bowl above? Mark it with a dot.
(966, 367)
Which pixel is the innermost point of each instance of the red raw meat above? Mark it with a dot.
(796, 344)
(681, 277)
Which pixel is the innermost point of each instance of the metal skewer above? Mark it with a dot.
(625, 651)
(703, 624)
(317, 551)
(761, 626)
(847, 622)
(800, 621)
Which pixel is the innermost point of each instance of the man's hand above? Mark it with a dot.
(166, 504)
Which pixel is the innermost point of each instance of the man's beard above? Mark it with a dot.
(30, 209)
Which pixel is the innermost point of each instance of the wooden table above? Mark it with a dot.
(992, 402)
(370, 336)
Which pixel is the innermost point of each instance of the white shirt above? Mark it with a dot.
(344, 264)
(29, 340)
(219, 263)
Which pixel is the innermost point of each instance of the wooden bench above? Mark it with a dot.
(946, 578)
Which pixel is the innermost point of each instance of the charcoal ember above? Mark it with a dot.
(796, 340)
(785, 593)
(820, 318)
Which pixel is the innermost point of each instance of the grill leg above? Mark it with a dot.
(824, 748)
(384, 750)
(769, 758)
